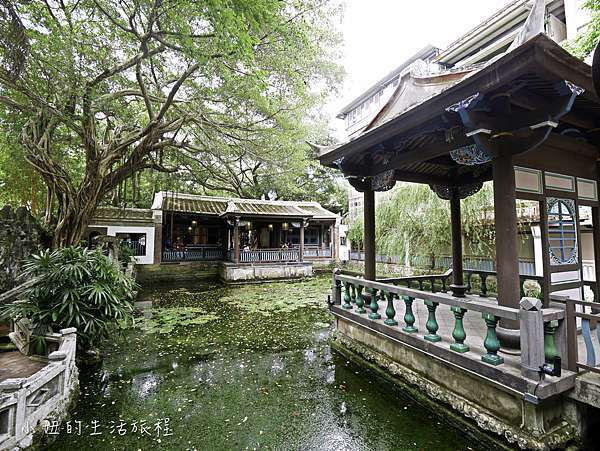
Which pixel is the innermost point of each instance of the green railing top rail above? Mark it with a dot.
(470, 302)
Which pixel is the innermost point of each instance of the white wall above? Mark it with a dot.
(147, 259)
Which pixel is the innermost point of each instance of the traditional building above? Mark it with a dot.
(526, 120)
(242, 238)
(562, 20)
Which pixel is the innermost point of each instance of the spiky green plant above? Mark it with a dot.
(80, 288)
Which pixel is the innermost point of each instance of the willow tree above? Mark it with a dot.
(110, 88)
(416, 220)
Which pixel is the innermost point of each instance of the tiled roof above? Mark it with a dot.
(204, 206)
(136, 214)
(220, 206)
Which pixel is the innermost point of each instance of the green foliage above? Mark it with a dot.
(585, 42)
(80, 288)
(414, 218)
(267, 299)
(165, 320)
(221, 94)
(125, 254)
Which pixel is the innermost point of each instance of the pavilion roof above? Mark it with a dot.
(225, 206)
(416, 131)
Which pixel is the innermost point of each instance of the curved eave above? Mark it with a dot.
(538, 55)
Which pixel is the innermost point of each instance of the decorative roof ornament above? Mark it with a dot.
(463, 104)
(574, 88)
(471, 155)
(448, 192)
(384, 181)
(338, 163)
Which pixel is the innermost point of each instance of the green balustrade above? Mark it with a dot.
(409, 317)
(459, 333)
(550, 351)
(360, 301)
(491, 343)
(373, 305)
(432, 324)
(346, 303)
(390, 312)
(484, 288)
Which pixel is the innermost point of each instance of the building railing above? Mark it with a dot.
(269, 255)
(357, 299)
(194, 254)
(474, 262)
(317, 252)
(25, 403)
(137, 248)
(587, 314)
(441, 282)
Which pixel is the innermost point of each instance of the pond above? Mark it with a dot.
(217, 368)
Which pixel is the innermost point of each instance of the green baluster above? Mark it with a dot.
(432, 324)
(459, 333)
(374, 306)
(390, 312)
(483, 285)
(346, 303)
(409, 317)
(491, 343)
(352, 294)
(360, 301)
(550, 351)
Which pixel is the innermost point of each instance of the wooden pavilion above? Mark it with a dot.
(528, 121)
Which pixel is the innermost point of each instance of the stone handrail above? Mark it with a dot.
(15, 293)
(31, 401)
(352, 294)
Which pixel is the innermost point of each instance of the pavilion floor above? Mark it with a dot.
(15, 365)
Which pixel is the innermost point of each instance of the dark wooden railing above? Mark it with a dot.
(137, 248)
(193, 254)
(441, 282)
(429, 282)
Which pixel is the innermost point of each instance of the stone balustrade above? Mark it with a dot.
(27, 403)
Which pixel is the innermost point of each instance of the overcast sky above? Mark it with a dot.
(381, 34)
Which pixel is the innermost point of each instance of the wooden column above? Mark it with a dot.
(458, 287)
(507, 257)
(301, 256)
(369, 233)
(236, 240)
(158, 228)
(332, 241)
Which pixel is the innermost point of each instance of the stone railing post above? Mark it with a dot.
(337, 288)
(532, 337)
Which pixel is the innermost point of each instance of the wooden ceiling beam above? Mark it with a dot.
(531, 101)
